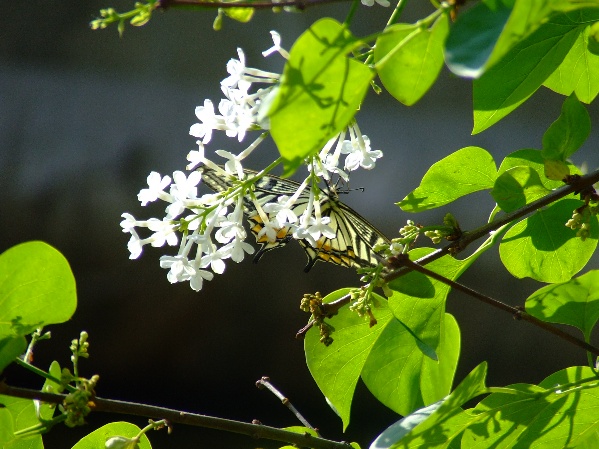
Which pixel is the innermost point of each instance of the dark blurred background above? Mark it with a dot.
(85, 116)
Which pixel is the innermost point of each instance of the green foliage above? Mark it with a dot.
(321, 85)
(22, 417)
(414, 51)
(539, 247)
(121, 432)
(466, 171)
(37, 288)
(575, 302)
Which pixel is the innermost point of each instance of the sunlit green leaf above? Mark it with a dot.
(97, 439)
(575, 302)
(449, 421)
(483, 34)
(6, 426)
(47, 410)
(466, 171)
(568, 132)
(522, 71)
(24, 417)
(409, 58)
(579, 71)
(320, 91)
(37, 288)
(402, 377)
(556, 420)
(336, 368)
(543, 248)
(11, 347)
(517, 187)
(399, 429)
(532, 158)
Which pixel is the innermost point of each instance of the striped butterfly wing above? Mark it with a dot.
(352, 245)
(266, 190)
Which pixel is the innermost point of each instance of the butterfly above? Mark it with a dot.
(355, 238)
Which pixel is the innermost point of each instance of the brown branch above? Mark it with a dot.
(577, 185)
(299, 4)
(516, 312)
(257, 431)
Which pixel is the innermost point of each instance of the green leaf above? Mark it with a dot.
(575, 302)
(6, 426)
(320, 91)
(97, 439)
(11, 347)
(568, 132)
(483, 34)
(37, 288)
(447, 422)
(543, 248)
(522, 71)
(579, 71)
(399, 429)
(466, 171)
(517, 187)
(474, 36)
(554, 420)
(409, 58)
(556, 170)
(532, 158)
(242, 15)
(23, 417)
(46, 409)
(336, 368)
(419, 301)
(399, 375)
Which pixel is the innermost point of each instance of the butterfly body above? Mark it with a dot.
(355, 238)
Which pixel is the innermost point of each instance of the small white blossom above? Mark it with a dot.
(196, 157)
(180, 268)
(164, 232)
(360, 154)
(156, 186)
(319, 226)
(214, 259)
(196, 281)
(134, 245)
(270, 229)
(276, 38)
(282, 210)
(236, 71)
(209, 121)
(237, 249)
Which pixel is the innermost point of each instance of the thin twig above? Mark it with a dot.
(257, 431)
(468, 237)
(299, 4)
(516, 312)
(264, 382)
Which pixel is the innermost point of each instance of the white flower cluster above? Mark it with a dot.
(213, 223)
